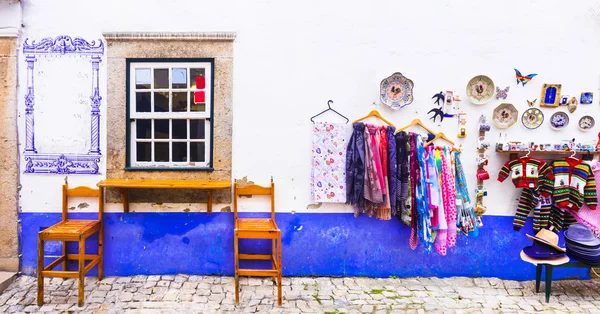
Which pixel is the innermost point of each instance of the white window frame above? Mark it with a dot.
(206, 115)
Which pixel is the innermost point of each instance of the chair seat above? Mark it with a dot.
(256, 224)
(70, 229)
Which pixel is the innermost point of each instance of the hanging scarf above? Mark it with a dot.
(384, 210)
(392, 168)
(422, 199)
(414, 175)
(450, 210)
(355, 168)
(328, 170)
(441, 241)
(372, 189)
(433, 186)
(466, 220)
(402, 177)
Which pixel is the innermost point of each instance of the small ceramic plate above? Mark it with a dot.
(532, 118)
(480, 89)
(559, 120)
(396, 91)
(586, 123)
(505, 115)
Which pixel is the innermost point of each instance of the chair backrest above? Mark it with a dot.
(252, 189)
(81, 191)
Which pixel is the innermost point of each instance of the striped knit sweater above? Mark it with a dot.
(574, 183)
(527, 172)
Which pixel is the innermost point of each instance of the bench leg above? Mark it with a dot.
(80, 270)
(40, 278)
(548, 282)
(538, 277)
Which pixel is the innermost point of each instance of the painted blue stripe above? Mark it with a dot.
(313, 244)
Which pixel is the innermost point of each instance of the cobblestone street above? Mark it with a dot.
(210, 294)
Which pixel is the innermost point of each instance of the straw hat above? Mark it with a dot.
(547, 237)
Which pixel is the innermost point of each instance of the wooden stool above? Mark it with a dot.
(72, 231)
(257, 228)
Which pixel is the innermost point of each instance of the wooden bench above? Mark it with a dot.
(125, 184)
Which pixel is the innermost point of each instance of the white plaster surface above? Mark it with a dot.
(291, 57)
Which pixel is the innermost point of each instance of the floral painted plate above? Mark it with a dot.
(396, 91)
(480, 89)
(532, 118)
(586, 123)
(559, 120)
(505, 115)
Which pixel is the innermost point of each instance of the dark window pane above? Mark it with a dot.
(142, 150)
(198, 79)
(161, 128)
(197, 129)
(179, 78)
(161, 152)
(197, 151)
(197, 107)
(179, 151)
(179, 129)
(161, 102)
(143, 128)
(142, 78)
(142, 102)
(161, 78)
(180, 101)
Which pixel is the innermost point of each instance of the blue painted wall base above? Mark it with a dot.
(313, 244)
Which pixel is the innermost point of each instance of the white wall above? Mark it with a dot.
(290, 58)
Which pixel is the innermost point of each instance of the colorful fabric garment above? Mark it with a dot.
(422, 199)
(574, 183)
(532, 200)
(402, 178)
(384, 210)
(433, 187)
(560, 218)
(329, 163)
(449, 202)
(466, 220)
(526, 172)
(372, 187)
(450, 209)
(585, 215)
(392, 168)
(415, 177)
(355, 168)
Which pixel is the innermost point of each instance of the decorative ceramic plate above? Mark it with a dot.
(586, 123)
(505, 115)
(396, 91)
(559, 120)
(532, 118)
(480, 89)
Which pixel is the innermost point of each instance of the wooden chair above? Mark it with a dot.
(257, 228)
(72, 231)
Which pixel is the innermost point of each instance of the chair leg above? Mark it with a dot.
(64, 250)
(101, 253)
(273, 252)
(237, 267)
(80, 270)
(40, 278)
(279, 268)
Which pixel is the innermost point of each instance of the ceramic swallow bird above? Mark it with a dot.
(524, 79)
(437, 112)
(438, 97)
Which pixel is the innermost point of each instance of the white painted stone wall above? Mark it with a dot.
(291, 57)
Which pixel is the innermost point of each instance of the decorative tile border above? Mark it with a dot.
(63, 163)
(217, 36)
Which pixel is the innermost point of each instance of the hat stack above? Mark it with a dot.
(545, 247)
(582, 245)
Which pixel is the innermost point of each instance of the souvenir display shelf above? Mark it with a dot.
(515, 153)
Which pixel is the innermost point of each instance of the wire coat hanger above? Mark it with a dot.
(416, 122)
(438, 136)
(375, 113)
(329, 108)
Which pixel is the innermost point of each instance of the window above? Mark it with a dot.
(170, 114)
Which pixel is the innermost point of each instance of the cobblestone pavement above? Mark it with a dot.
(210, 294)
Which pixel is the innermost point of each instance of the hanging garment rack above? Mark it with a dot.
(440, 135)
(329, 108)
(375, 113)
(416, 122)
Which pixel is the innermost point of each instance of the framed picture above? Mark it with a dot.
(550, 95)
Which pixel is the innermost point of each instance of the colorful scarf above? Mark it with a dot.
(392, 168)
(422, 199)
(466, 220)
(328, 163)
(402, 178)
(355, 168)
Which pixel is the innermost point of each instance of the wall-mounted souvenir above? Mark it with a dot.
(437, 112)
(396, 91)
(439, 97)
(523, 79)
(572, 106)
(532, 118)
(586, 123)
(587, 98)
(462, 125)
(505, 115)
(480, 89)
(559, 120)
(502, 93)
(531, 103)
(564, 100)
(550, 95)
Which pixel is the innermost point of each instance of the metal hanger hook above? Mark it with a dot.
(329, 102)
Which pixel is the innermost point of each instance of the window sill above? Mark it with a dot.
(209, 169)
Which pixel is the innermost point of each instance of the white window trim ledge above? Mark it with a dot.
(214, 36)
